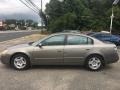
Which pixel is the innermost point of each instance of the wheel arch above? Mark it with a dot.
(95, 54)
(19, 53)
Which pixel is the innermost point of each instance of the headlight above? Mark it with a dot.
(4, 52)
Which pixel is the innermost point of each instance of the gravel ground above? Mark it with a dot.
(57, 77)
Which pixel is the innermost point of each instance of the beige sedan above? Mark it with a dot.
(61, 49)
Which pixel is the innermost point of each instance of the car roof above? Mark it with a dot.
(70, 34)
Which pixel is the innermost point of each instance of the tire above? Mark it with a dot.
(94, 63)
(20, 62)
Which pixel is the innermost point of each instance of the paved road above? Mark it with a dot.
(8, 35)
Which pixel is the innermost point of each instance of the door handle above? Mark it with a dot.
(59, 51)
(87, 49)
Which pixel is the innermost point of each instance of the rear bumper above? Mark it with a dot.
(112, 58)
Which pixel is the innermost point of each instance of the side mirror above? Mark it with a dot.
(30, 43)
(40, 45)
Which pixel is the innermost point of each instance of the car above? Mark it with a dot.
(61, 49)
(107, 37)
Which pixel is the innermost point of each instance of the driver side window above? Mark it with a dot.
(54, 40)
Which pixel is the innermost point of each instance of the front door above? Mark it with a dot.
(51, 51)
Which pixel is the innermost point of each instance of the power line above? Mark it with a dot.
(40, 13)
(34, 4)
(35, 8)
(31, 4)
(29, 7)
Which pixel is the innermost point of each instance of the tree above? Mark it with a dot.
(64, 22)
(81, 14)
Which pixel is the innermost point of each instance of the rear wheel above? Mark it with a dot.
(20, 62)
(94, 63)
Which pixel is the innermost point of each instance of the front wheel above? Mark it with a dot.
(94, 63)
(20, 62)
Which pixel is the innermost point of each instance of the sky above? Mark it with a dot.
(15, 9)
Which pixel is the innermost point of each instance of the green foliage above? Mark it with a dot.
(81, 14)
(64, 22)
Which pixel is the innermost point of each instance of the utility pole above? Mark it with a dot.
(41, 5)
(112, 16)
(41, 12)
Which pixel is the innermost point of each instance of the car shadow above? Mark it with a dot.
(58, 67)
(68, 67)
(108, 67)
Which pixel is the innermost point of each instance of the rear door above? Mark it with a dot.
(76, 48)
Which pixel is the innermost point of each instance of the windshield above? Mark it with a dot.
(38, 41)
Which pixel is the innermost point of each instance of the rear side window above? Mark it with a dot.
(78, 40)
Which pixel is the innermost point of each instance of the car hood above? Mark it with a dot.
(19, 46)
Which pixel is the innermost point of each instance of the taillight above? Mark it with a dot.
(115, 48)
